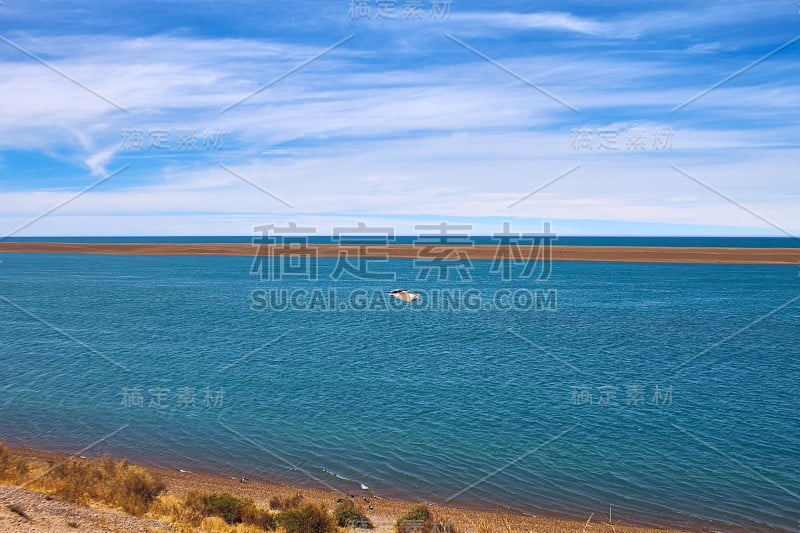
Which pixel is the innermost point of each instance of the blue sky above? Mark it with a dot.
(621, 118)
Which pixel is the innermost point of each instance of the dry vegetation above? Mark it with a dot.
(12, 469)
(115, 483)
(133, 489)
(420, 519)
(222, 508)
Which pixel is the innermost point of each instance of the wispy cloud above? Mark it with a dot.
(380, 118)
(98, 161)
(557, 21)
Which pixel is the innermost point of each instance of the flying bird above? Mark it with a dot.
(403, 294)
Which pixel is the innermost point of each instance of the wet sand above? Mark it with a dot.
(635, 254)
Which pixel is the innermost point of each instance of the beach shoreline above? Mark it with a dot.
(633, 254)
(383, 511)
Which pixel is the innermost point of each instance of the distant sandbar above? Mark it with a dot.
(633, 254)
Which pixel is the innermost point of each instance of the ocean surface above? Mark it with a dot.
(668, 392)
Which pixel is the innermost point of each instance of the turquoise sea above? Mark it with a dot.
(668, 392)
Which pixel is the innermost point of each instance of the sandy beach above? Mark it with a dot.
(52, 515)
(642, 254)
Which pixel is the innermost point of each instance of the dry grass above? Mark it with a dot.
(215, 524)
(133, 489)
(174, 508)
(348, 515)
(231, 509)
(420, 519)
(137, 491)
(12, 469)
(225, 513)
(308, 518)
(116, 483)
(286, 503)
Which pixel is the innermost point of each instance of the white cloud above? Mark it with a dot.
(451, 140)
(408, 179)
(531, 21)
(97, 162)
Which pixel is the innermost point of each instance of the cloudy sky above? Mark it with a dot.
(208, 118)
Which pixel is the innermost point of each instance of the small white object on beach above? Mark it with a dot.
(403, 294)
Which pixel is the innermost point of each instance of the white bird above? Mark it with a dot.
(403, 294)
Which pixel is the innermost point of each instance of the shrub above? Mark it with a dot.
(294, 501)
(117, 483)
(231, 509)
(309, 518)
(418, 519)
(258, 517)
(215, 524)
(227, 507)
(223, 505)
(348, 515)
(11, 468)
(131, 487)
(176, 509)
(248, 528)
(288, 503)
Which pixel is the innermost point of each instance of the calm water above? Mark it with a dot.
(554, 411)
